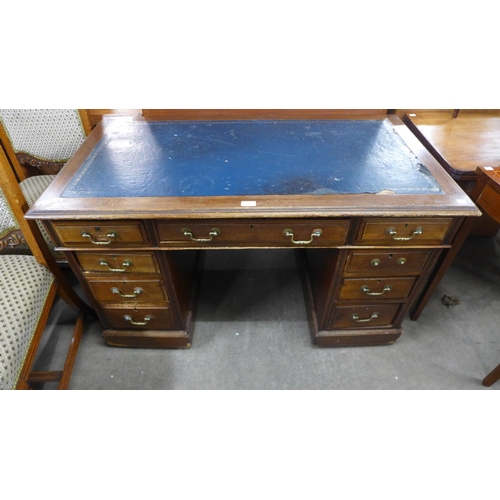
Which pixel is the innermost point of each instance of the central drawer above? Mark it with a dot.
(253, 233)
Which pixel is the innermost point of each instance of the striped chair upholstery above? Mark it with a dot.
(24, 288)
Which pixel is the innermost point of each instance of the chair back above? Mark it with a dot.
(41, 141)
(32, 234)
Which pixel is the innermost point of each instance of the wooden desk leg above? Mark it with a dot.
(444, 263)
(492, 377)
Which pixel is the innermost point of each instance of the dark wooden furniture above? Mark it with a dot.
(461, 142)
(487, 196)
(369, 210)
(486, 192)
(492, 377)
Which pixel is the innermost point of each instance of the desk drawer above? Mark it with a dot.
(363, 316)
(122, 291)
(140, 318)
(80, 234)
(253, 233)
(118, 263)
(381, 263)
(398, 231)
(376, 289)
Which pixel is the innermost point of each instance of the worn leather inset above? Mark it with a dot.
(235, 158)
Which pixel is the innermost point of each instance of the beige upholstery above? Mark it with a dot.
(24, 287)
(10, 233)
(32, 188)
(27, 288)
(7, 220)
(43, 139)
(48, 134)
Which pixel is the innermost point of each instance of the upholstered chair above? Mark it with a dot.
(41, 141)
(27, 293)
(28, 286)
(37, 143)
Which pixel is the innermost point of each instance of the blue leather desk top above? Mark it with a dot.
(223, 158)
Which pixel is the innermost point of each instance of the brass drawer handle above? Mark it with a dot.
(392, 232)
(366, 289)
(355, 317)
(137, 291)
(126, 263)
(112, 234)
(213, 233)
(137, 323)
(289, 234)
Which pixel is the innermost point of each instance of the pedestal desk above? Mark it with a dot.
(373, 217)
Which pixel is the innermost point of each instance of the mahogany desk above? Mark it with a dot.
(373, 217)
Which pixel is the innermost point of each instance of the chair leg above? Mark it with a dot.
(62, 376)
(492, 377)
(73, 349)
(23, 382)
